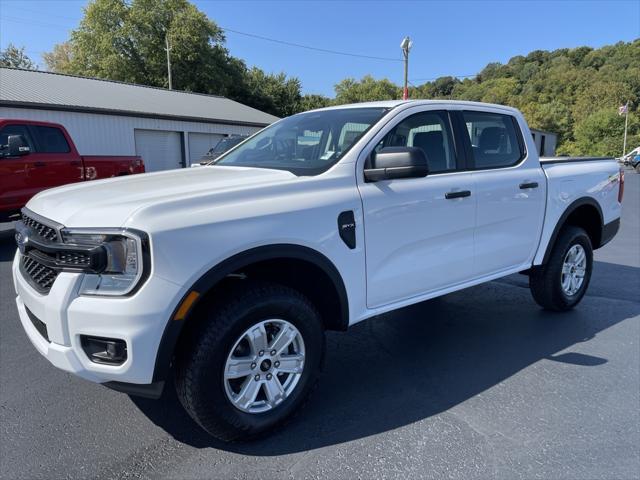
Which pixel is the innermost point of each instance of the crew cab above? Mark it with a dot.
(35, 156)
(225, 278)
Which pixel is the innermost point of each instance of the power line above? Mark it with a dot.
(34, 22)
(298, 45)
(436, 78)
(238, 32)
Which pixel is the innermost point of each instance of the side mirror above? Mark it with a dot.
(16, 146)
(397, 162)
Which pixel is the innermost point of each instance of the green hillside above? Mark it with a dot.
(573, 92)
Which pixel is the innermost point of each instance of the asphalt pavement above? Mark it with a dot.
(481, 383)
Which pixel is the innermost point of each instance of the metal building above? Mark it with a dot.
(545, 142)
(167, 128)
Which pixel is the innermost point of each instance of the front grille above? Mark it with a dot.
(74, 259)
(46, 232)
(41, 327)
(39, 275)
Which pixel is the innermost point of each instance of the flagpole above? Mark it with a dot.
(626, 122)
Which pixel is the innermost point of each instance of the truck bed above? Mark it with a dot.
(546, 160)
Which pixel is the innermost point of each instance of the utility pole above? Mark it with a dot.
(168, 49)
(626, 122)
(406, 46)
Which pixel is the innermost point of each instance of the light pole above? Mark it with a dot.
(626, 123)
(406, 46)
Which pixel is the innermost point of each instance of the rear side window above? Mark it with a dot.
(429, 131)
(495, 139)
(50, 140)
(15, 130)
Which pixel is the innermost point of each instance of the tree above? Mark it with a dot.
(273, 93)
(367, 89)
(59, 59)
(312, 101)
(125, 40)
(601, 133)
(15, 57)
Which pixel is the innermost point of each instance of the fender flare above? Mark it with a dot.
(563, 218)
(174, 328)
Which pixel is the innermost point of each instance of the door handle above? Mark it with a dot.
(524, 186)
(39, 164)
(460, 194)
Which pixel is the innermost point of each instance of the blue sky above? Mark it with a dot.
(450, 38)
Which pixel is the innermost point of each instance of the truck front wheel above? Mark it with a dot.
(561, 283)
(251, 362)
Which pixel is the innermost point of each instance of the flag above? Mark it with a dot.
(623, 109)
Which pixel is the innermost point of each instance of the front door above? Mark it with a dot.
(16, 185)
(419, 231)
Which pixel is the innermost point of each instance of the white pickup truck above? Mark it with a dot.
(224, 278)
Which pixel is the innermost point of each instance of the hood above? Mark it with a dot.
(109, 203)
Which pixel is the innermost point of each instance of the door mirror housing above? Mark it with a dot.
(397, 162)
(16, 146)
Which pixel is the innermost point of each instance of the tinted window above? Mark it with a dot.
(429, 131)
(307, 143)
(50, 140)
(494, 139)
(15, 130)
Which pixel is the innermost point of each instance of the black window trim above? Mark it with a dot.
(468, 147)
(36, 141)
(460, 156)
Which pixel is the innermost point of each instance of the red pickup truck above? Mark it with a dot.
(35, 156)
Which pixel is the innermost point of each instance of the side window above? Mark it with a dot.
(495, 139)
(429, 131)
(50, 140)
(16, 130)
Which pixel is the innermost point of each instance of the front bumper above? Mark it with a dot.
(139, 320)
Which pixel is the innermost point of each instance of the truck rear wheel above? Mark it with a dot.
(251, 363)
(561, 283)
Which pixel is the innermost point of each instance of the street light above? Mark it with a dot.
(406, 46)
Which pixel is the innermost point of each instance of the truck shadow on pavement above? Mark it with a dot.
(412, 364)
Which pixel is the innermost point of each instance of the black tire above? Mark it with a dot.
(201, 358)
(545, 281)
(638, 168)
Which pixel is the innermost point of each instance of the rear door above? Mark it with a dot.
(418, 231)
(54, 161)
(510, 187)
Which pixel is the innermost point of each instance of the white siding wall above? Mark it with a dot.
(550, 142)
(96, 134)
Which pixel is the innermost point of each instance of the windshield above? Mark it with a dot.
(307, 143)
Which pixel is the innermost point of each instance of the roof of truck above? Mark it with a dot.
(396, 103)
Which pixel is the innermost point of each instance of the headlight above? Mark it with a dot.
(124, 259)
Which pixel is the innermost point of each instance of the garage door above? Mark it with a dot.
(160, 150)
(200, 143)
